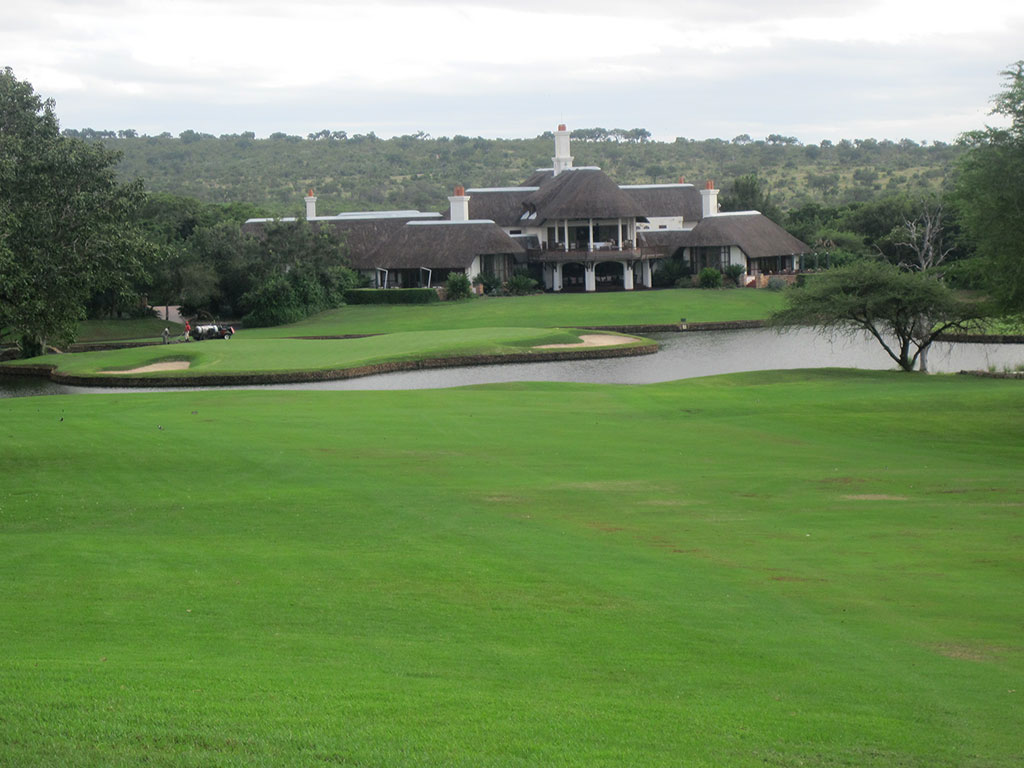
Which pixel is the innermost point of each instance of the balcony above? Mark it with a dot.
(556, 252)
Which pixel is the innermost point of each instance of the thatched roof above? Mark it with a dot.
(756, 235)
(502, 206)
(667, 199)
(578, 193)
(440, 245)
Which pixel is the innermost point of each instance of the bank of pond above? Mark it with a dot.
(679, 356)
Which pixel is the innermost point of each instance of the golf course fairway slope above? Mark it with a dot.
(819, 568)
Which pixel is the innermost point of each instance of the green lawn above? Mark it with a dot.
(244, 354)
(541, 311)
(120, 330)
(797, 568)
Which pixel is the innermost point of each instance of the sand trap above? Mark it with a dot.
(176, 365)
(591, 340)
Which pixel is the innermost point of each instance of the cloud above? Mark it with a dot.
(678, 69)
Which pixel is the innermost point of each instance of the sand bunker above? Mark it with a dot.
(176, 365)
(590, 340)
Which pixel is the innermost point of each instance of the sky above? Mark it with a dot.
(814, 69)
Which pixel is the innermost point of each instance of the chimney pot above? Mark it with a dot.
(710, 184)
(460, 191)
(561, 126)
(682, 179)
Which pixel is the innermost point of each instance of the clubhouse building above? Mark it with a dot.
(572, 228)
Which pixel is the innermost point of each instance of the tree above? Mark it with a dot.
(67, 226)
(923, 237)
(751, 193)
(990, 193)
(903, 311)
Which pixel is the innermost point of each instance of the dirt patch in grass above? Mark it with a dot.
(590, 340)
(873, 497)
(174, 365)
(966, 652)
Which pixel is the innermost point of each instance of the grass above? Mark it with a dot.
(795, 568)
(540, 311)
(269, 355)
(122, 330)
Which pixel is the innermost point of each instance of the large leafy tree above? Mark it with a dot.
(904, 311)
(991, 192)
(67, 229)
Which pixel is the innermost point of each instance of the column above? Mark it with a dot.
(627, 275)
(590, 277)
(645, 275)
(556, 279)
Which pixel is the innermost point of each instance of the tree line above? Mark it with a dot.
(363, 171)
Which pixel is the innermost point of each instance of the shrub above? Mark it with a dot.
(710, 278)
(734, 272)
(671, 272)
(521, 284)
(390, 296)
(458, 287)
(490, 283)
(776, 284)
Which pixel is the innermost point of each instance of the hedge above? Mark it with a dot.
(390, 296)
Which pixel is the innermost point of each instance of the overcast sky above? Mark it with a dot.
(814, 69)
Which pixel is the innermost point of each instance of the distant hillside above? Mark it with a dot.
(364, 172)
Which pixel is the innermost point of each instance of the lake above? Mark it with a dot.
(682, 356)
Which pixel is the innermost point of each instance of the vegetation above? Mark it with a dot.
(365, 172)
(68, 234)
(887, 302)
(457, 287)
(710, 277)
(399, 579)
(991, 193)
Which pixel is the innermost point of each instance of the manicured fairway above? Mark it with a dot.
(794, 568)
(542, 311)
(268, 355)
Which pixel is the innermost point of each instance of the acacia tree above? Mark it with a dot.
(67, 227)
(990, 192)
(903, 311)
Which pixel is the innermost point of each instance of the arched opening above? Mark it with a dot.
(573, 276)
(608, 275)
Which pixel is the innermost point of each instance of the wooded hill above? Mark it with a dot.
(364, 172)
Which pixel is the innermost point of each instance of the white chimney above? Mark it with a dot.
(310, 206)
(709, 200)
(562, 160)
(460, 205)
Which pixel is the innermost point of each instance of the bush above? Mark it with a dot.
(776, 284)
(710, 278)
(735, 272)
(273, 303)
(457, 286)
(390, 296)
(521, 284)
(490, 283)
(671, 272)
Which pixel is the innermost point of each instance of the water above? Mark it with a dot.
(682, 356)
